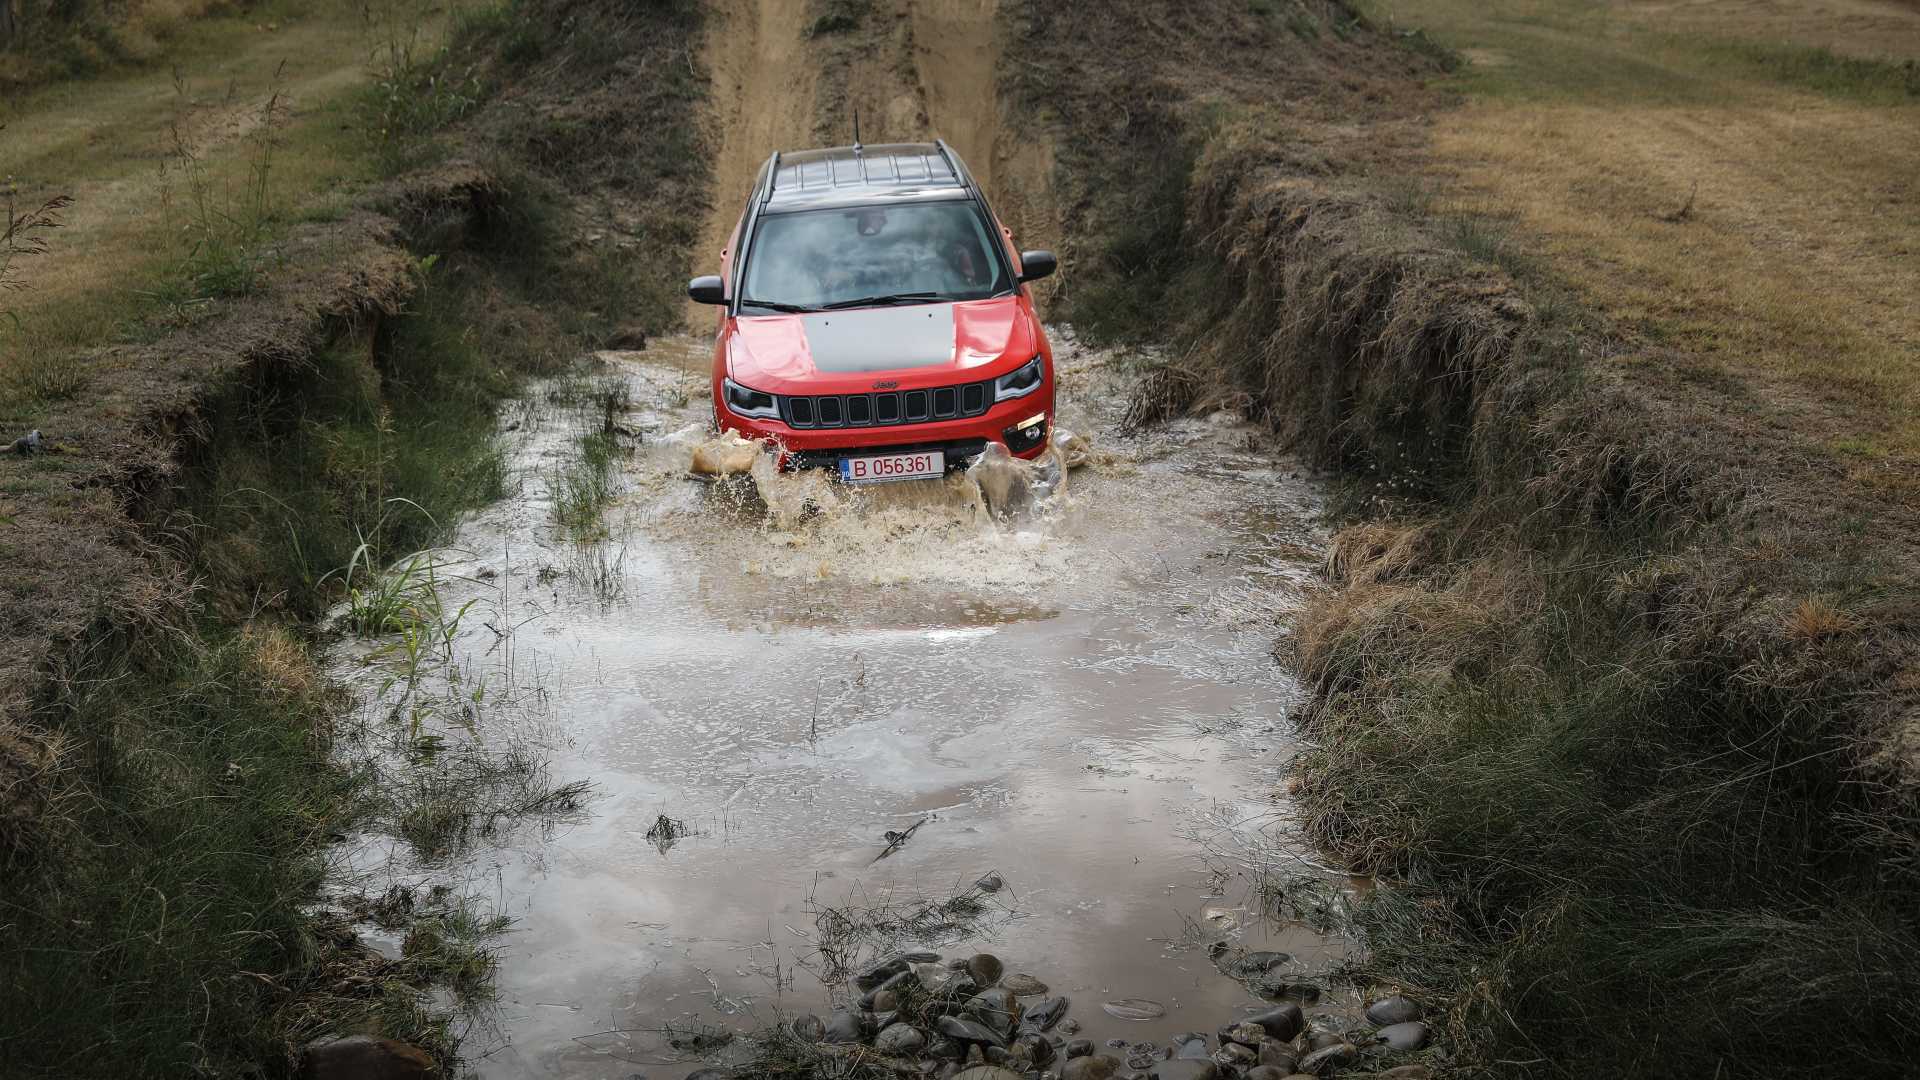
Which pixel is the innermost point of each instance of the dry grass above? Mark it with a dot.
(28, 762)
(1586, 706)
(1375, 551)
(83, 41)
(1880, 29)
(1587, 127)
(1816, 618)
(111, 145)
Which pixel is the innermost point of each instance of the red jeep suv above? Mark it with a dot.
(875, 317)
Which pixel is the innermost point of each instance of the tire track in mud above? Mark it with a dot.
(913, 69)
(760, 100)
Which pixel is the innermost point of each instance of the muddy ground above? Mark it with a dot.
(1080, 700)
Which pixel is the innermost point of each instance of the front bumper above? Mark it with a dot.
(1009, 423)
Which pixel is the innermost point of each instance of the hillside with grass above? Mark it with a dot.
(1604, 313)
(269, 272)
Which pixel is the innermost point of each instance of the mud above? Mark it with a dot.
(1079, 699)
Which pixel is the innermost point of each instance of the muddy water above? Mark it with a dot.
(1081, 701)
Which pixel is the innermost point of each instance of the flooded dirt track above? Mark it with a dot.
(1082, 702)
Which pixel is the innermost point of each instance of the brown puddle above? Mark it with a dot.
(1083, 702)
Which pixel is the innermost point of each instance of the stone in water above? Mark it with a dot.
(1134, 1009)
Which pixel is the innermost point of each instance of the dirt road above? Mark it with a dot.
(912, 69)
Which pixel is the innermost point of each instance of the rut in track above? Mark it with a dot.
(913, 69)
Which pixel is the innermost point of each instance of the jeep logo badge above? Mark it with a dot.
(886, 384)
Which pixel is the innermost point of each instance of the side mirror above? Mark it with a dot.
(1035, 265)
(707, 290)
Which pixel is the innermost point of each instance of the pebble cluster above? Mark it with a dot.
(969, 1019)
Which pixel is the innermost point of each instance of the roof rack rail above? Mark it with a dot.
(773, 170)
(953, 162)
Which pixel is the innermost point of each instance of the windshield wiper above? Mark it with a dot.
(775, 305)
(888, 298)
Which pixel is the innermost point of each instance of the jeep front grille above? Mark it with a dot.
(887, 407)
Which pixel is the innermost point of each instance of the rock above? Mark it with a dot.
(1282, 1023)
(884, 1001)
(1134, 1009)
(30, 443)
(1091, 1067)
(996, 1009)
(992, 883)
(1247, 1033)
(1186, 1069)
(1236, 1056)
(1024, 985)
(1069, 1026)
(711, 1074)
(1187, 1046)
(900, 1040)
(894, 985)
(845, 1027)
(1319, 1039)
(937, 977)
(1044, 1014)
(999, 999)
(985, 968)
(1256, 963)
(945, 1048)
(1409, 1072)
(1081, 1047)
(1304, 993)
(1266, 1072)
(809, 1028)
(1411, 1035)
(1031, 1050)
(1279, 1055)
(1223, 917)
(1392, 1010)
(363, 1057)
(1274, 984)
(1324, 1061)
(997, 1056)
(969, 1031)
(876, 976)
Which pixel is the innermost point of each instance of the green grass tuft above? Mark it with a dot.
(196, 797)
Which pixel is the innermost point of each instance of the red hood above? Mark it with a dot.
(849, 351)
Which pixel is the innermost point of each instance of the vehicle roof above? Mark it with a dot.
(856, 175)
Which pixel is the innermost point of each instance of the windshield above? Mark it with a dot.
(894, 254)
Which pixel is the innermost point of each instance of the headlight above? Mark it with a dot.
(1021, 381)
(744, 402)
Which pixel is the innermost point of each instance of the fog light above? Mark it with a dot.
(1027, 434)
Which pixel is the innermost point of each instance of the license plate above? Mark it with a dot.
(889, 467)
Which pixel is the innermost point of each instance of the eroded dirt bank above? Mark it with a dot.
(1620, 659)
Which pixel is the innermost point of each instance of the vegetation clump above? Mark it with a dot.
(315, 401)
(1613, 694)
